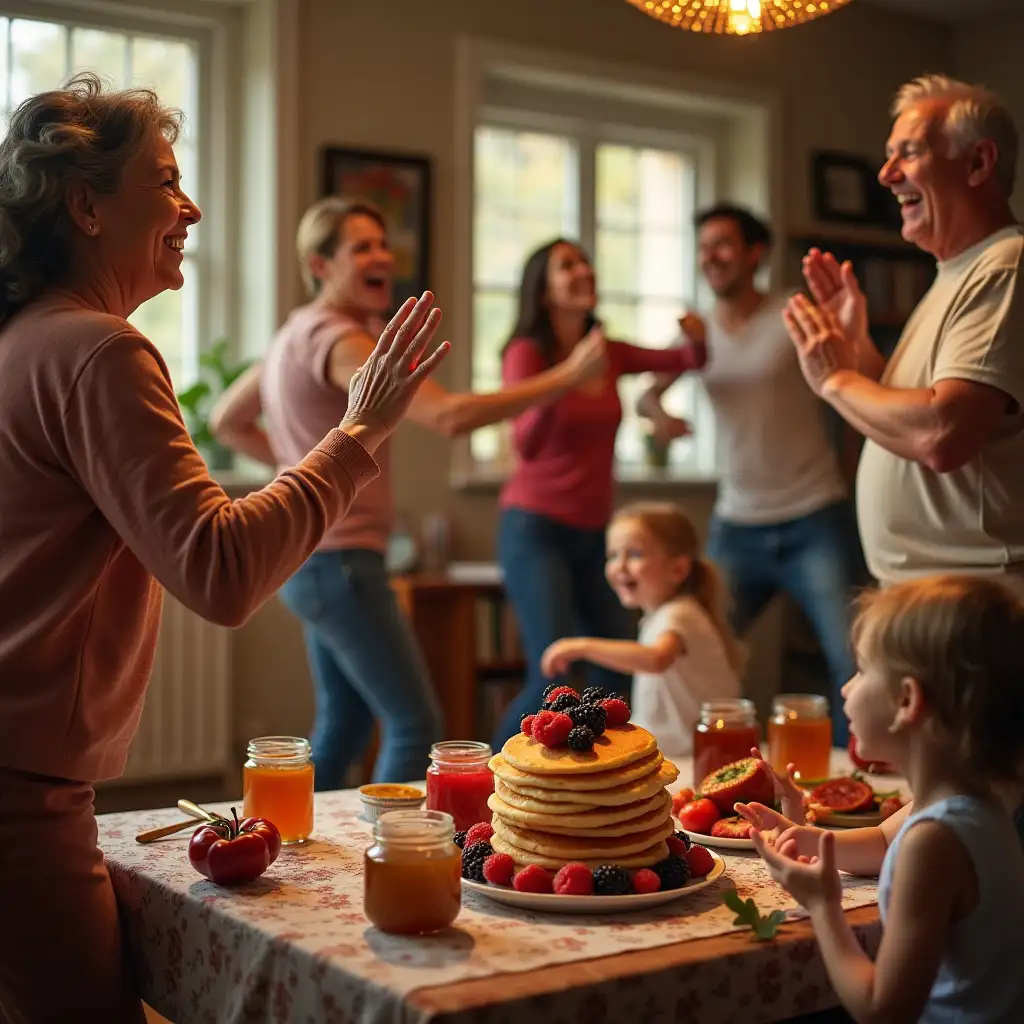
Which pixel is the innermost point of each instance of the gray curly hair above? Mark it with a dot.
(77, 134)
(973, 113)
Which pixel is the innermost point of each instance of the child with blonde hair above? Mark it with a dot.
(686, 653)
(938, 694)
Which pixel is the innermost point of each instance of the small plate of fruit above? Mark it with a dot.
(850, 802)
(708, 816)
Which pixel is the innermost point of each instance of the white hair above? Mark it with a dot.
(973, 113)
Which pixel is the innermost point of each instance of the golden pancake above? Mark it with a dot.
(572, 848)
(595, 823)
(615, 748)
(573, 784)
(552, 801)
(643, 859)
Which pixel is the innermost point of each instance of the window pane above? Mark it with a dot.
(167, 66)
(106, 53)
(616, 260)
(166, 321)
(617, 186)
(5, 28)
(38, 57)
(619, 319)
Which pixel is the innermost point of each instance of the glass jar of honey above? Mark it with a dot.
(726, 732)
(277, 784)
(800, 733)
(459, 781)
(412, 873)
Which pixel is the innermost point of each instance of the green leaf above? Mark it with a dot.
(764, 928)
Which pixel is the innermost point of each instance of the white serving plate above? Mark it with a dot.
(719, 842)
(554, 904)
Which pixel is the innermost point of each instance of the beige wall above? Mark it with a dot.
(382, 74)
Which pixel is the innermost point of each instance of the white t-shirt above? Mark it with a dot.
(668, 705)
(776, 460)
(913, 520)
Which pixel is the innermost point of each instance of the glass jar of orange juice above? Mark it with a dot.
(412, 875)
(726, 732)
(277, 784)
(800, 733)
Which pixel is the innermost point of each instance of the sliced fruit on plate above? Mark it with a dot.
(889, 806)
(731, 828)
(843, 796)
(698, 816)
(744, 781)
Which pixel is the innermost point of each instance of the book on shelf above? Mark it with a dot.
(497, 632)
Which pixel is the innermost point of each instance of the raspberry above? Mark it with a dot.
(554, 692)
(562, 702)
(532, 879)
(676, 846)
(549, 689)
(646, 880)
(481, 832)
(684, 838)
(581, 739)
(591, 715)
(610, 880)
(617, 711)
(499, 869)
(700, 861)
(527, 724)
(574, 880)
(551, 728)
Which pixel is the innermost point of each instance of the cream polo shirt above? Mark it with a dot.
(913, 520)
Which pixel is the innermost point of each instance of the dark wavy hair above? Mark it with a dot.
(533, 318)
(74, 135)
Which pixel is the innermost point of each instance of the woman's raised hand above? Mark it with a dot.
(382, 388)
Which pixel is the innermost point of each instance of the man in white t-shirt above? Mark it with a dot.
(940, 486)
(782, 521)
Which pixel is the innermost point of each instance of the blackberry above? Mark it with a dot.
(673, 871)
(612, 881)
(562, 702)
(460, 840)
(581, 739)
(548, 689)
(473, 858)
(684, 839)
(592, 694)
(595, 718)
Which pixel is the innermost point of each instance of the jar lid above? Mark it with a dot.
(286, 751)
(456, 752)
(800, 705)
(729, 711)
(414, 828)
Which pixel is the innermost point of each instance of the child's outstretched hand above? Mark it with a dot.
(787, 792)
(560, 655)
(812, 881)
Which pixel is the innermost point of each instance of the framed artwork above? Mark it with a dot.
(845, 189)
(399, 186)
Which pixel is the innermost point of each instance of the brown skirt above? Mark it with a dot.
(61, 955)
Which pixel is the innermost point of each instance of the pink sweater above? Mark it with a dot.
(103, 501)
(567, 450)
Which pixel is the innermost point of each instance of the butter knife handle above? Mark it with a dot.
(166, 830)
(196, 811)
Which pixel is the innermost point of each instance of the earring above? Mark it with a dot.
(92, 229)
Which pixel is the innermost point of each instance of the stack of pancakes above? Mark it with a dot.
(608, 805)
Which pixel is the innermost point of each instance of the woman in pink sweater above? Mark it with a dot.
(104, 502)
(557, 503)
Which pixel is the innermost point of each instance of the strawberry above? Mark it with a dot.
(574, 880)
(744, 781)
(532, 879)
(646, 880)
(676, 846)
(552, 728)
(731, 828)
(558, 691)
(617, 711)
(684, 796)
(481, 832)
(700, 860)
(499, 869)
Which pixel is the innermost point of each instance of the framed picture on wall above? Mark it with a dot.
(398, 184)
(845, 189)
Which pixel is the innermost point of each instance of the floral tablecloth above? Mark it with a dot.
(294, 945)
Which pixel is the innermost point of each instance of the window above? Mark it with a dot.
(40, 54)
(630, 200)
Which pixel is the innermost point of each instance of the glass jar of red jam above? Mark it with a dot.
(459, 781)
(726, 732)
(412, 874)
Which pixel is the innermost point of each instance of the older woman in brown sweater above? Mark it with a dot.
(104, 501)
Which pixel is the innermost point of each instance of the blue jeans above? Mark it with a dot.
(554, 578)
(817, 561)
(366, 665)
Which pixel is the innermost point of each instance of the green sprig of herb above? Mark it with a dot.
(764, 927)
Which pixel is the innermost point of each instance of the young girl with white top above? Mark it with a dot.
(938, 693)
(686, 653)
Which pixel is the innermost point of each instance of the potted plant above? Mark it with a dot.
(216, 374)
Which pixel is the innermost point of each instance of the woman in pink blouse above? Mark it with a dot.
(558, 501)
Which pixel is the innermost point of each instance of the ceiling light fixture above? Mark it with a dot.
(736, 17)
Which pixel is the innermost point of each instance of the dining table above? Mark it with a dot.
(295, 946)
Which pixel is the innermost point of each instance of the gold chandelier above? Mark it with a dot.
(736, 17)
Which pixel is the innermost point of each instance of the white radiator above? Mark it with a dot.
(185, 726)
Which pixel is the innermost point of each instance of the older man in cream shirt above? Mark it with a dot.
(940, 486)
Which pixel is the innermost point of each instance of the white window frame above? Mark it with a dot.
(751, 130)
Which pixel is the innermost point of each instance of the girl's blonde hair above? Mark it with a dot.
(670, 527)
(319, 232)
(962, 639)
